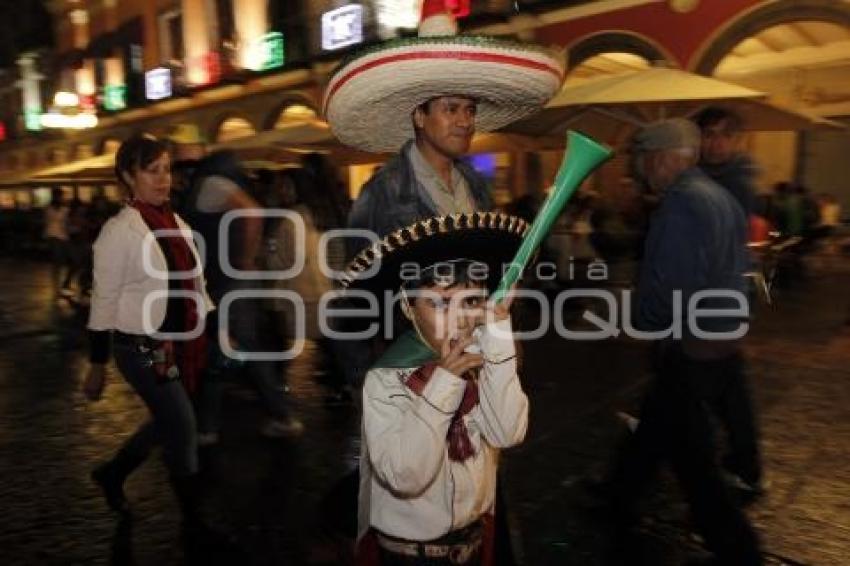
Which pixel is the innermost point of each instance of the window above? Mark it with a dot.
(290, 18)
(171, 36)
(222, 22)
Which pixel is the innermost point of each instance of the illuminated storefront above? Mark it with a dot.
(209, 62)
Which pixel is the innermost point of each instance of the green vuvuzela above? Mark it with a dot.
(583, 155)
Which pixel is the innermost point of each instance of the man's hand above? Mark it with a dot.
(95, 382)
(454, 360)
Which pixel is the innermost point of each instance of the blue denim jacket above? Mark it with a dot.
(393, 198)
(697, 241)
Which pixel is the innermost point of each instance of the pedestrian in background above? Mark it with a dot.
(162, 359)
(721, 156)
(696, 242)
(221, 187)
(77, 245)
(97, 214)
(295, 192)
(56, 234)
(187, 147)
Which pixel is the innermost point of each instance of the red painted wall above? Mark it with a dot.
(681, 35)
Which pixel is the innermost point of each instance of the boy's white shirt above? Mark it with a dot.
(409, 488)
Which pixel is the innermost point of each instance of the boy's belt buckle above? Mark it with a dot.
(461, 553)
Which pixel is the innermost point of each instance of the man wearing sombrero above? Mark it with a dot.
(428, 96)
(435, 416)
(436, 412)
(424, 98)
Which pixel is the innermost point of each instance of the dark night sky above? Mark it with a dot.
(24, 24)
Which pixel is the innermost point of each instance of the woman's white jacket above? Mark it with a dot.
(131, 276)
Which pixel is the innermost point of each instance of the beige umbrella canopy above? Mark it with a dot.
(303, 133)
(290, 143)
(98, 167)
(602, 106)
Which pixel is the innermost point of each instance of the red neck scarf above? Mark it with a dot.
(460, 446)
(177, 250)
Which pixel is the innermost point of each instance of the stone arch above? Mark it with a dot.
(218, 131)
(289, 101)
(762, 17)
(616, 41)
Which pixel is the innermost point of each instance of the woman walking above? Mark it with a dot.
(149, 302)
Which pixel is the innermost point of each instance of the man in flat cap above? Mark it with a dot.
(696, 246)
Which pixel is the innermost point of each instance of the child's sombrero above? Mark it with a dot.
(371, 96)
(490, 238)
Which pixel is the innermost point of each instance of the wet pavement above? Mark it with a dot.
(270, 493)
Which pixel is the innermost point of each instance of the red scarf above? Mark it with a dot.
(193, 353)
(460, 446)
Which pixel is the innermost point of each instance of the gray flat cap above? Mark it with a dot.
(667, 134)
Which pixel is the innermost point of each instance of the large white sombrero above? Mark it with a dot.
(371, 96)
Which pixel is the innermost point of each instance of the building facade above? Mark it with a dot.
(238, 68)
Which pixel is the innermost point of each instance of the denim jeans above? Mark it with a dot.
(172, 422)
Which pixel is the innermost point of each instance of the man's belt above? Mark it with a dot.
(457, 552)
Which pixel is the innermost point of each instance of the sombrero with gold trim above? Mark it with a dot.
(490, 238)
(370, 97)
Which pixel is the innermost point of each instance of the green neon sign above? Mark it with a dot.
(32, 119)
(268, 52)
(115, 97)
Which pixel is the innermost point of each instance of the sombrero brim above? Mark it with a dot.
(488, 237)
(370, 98)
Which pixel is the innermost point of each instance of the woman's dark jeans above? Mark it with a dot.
(172, 422)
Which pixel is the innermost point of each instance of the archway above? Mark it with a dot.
(234, 128)
(797, 51)
(297, 107)
(614, 51)
(766, 16)
(599, 55)
(294, 113)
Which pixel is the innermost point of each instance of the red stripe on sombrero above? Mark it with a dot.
(477, 57)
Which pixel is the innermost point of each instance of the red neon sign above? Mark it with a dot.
(205, 69)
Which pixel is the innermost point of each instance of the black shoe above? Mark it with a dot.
(746, 492)
(112, 484)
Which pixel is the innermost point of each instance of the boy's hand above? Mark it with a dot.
(454, 360)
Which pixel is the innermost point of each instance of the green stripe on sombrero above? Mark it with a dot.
(464, 40)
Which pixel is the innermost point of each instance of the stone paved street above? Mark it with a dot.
(269, 493)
